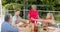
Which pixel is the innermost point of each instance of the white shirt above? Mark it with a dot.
(15, 18)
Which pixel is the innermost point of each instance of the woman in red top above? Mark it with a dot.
(33, 14)
(45, 22)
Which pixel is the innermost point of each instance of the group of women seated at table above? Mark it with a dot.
(17, 24)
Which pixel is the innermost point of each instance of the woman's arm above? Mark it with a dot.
(28, 16)
(38, 17)
(49, 21)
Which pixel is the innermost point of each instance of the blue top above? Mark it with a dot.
(7, 27)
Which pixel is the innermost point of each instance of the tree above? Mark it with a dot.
(13, 6)
(9, 6)
(53, 4)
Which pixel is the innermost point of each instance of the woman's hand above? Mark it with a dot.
(36, 19)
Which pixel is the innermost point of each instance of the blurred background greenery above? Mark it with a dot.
(43, 5)
(18, 4)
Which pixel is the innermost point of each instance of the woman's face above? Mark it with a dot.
(33, 7)
(10, 19)
(48, 16)
(17, 13)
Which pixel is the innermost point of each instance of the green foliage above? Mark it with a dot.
(4, 2)
(58, 2)
(19, 1)
(31, 1)
(57, 16)
(13, 6)
(16, 4)
(8, 6)
(50, 3)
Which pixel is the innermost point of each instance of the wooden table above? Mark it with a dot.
(27, 28)
(54, 29)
